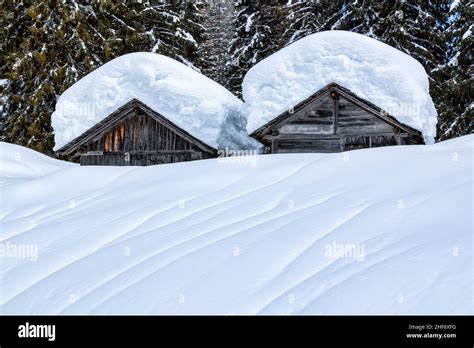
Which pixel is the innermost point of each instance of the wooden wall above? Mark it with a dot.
(140, 132)
(332, 124)
(140, 139)
(138, 158)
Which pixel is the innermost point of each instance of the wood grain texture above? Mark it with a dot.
(332, 123)
(139, 135)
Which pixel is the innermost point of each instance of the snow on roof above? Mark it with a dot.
(192, 101)
(371, 69)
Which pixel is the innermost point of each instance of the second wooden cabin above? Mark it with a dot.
(333, 120)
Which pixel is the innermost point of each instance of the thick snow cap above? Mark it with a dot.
(192, 101)
(371, 69)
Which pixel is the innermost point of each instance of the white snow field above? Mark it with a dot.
(186, 97)
(209, 237)
(371, 69)
(19, 164)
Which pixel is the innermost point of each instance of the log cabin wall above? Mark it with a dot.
(331, 123)
(140, 132)
(139, 140)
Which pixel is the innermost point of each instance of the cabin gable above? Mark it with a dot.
(333, 120)
(136, 135)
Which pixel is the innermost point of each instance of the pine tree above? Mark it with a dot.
(258, 34)
(46, 46)
(414, 27)
(304, 18)
(456, 107)
(218, 25)
(49, 45)
(169, 28)
(188, 33)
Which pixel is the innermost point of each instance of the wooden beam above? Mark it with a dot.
(335, 113)
(377, 111)
(274, 146)
(311, 102)
(337, 136)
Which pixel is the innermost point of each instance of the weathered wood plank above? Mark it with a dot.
(306, 129)
(335, 98)
(365, 129)
(333, 149)
(144, 138)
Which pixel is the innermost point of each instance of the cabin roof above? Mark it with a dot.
(120, 113)
(370, 68)
(184, 96)
(370, 107)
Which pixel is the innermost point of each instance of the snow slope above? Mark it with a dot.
(371, 69)
(186, 97)
(17, 163)
(257, 237)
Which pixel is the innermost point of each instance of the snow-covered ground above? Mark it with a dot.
(385, 76)
(18, 164)
(385, 230)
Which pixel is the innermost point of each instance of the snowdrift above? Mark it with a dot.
(371, 69)
(384, 230)
(195, 103)
(19, 163)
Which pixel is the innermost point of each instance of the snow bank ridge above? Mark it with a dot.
(335, 233)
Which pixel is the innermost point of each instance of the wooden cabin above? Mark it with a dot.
(135, 135)
(333, 120)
